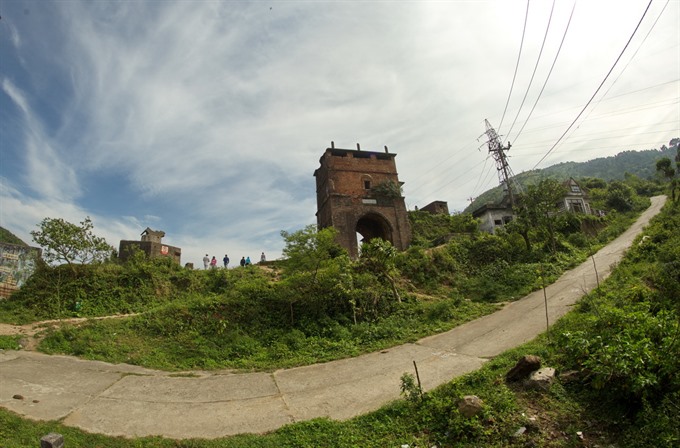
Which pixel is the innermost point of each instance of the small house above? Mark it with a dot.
(494, 216)
(575, 199)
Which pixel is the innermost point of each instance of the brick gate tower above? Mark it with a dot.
(359, 192)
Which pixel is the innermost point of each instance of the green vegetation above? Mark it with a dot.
(71, 243)
(316, 305)
(432, 230)
(619, 347)
(387, 189)
(8, 237)
(240, 318)
(620, 342)
(636, 168)
(664, 166)
(9, 342)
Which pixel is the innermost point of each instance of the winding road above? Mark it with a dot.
(124, 400)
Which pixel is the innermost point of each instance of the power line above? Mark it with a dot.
(521, 45)
(539, 144)
(538, 60)
(631, 60)
(549, 73)
(460, 177)
(620, 148)
(479, 179)
(604, 100)
(485, 180)
(642, 90)
(657, 104)
(599, 87)
(438, 165)
(485, 173)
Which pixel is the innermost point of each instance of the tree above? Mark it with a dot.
(521, 224)
(620, 196)
(63, 241)
(676, 183)
(309, 248)
(665, 168)
(315, 268)
(387, 189)
(539, 207)
(379, 256)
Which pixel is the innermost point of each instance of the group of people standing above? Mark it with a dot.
(212, 262)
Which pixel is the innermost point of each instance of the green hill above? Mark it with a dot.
(638, 163)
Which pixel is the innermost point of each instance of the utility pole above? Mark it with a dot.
(497, 151)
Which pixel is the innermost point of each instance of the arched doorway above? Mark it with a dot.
(373, 225)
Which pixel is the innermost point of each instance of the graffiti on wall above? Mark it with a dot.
(17, 263)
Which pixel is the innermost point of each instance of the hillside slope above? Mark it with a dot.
(638, 163)
(8, 237)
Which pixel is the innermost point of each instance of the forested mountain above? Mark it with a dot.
(638, 163)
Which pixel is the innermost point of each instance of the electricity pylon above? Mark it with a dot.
(497, 151)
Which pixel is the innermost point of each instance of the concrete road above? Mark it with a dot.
(124, 400)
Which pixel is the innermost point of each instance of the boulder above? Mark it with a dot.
(470, 405)
(52, 440)
(541, 379)
(525, 365)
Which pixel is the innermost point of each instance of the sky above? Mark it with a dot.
(207, 119)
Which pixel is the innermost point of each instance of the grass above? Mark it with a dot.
(570, 414)
(551, 419)
(10, 342)
(188, 334)
(141, 340)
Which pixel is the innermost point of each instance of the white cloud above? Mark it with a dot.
(46, 173)
(16, 96)
(216, 113)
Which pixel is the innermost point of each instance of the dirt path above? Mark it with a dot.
(32, 333)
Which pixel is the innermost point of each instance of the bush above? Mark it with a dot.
(628, 345)
(433, 229)
(431, 270)
(487, 249)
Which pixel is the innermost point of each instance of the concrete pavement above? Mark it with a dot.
(124, 400)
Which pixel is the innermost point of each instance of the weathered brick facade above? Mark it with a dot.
(359, 192)
(436, 208)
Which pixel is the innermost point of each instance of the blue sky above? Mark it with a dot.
(206, 119)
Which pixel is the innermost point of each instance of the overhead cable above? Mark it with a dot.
(519, 56)
(631, 60)
(549, 73)
(538, 60)
(598, 88)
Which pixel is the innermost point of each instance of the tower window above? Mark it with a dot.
(367, 185)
